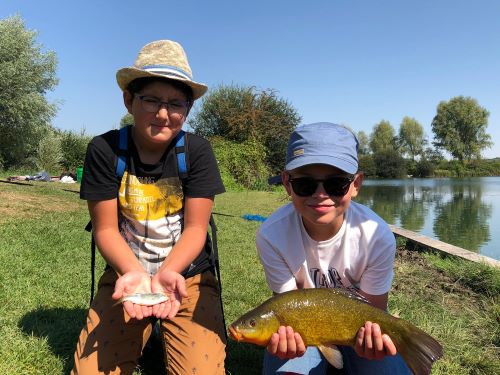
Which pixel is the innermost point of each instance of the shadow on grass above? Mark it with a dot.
(243, 358)
(60, 326)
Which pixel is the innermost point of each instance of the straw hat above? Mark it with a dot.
(164, 59)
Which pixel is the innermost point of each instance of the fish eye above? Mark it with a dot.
(252, 322)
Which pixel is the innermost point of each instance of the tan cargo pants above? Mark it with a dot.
(193, 342)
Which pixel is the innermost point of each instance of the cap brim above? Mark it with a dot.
(126, 75)
(339, 163)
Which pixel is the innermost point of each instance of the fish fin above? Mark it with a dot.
(332, 355)
(350, 293)
(419, 349)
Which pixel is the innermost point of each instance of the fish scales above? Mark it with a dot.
(325, 316)
(146, 299)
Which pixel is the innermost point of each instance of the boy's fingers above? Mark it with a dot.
(377, 338)
(174, 308)
(368, 337)
(360, 339)
(301, 347)
(389, 346)
(282, 343)
(272, 346)
(291, 347)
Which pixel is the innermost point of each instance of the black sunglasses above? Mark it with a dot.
(337, 186)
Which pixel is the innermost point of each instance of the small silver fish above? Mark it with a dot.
(146, 299)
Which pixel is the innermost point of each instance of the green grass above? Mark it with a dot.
(45, 281)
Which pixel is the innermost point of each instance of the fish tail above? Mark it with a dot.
(418, 349)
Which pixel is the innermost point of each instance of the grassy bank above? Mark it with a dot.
(44, 284)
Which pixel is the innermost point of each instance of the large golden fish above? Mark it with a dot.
(326, 317)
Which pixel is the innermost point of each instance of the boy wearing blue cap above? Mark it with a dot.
(324, 240)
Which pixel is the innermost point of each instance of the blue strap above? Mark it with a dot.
(122, 154)
(181, 154)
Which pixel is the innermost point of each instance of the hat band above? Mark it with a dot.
(167, 71)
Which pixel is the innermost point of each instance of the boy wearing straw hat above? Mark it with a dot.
(324, 240)
(151, 228)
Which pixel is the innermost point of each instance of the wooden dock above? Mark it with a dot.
(442, 246)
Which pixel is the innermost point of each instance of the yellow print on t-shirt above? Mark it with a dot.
(150, 201)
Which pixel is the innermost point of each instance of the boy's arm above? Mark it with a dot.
(379, 301)
(279, 277)
(119, 256)
(111, 244)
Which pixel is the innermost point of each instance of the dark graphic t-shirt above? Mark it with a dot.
(150, 197)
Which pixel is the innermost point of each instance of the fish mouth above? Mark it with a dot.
(235, 335)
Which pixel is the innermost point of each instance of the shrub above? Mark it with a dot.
(242, 165)
(390, 164)
(49, 154)
(73, 147)
(424, 168)
(442, 173)
(367, 165)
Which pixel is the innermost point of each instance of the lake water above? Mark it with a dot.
(460, 211)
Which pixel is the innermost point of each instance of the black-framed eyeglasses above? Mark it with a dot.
(337, 186)
(153, 105)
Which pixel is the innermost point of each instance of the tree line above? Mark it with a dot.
(248, 127)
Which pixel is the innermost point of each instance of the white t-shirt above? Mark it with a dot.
(360, 256)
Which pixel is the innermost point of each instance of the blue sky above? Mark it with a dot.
(345, 61)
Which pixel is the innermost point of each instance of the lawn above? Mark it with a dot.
(45, 282)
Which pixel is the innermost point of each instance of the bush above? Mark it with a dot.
(483, 168)
(442, 173)
(367, 165)
(424, 168)
(73, 147)
(475, 168)
(242, 165)
(390, 164)
(49, 154)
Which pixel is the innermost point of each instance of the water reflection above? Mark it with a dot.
(451, 210)
(464, 218)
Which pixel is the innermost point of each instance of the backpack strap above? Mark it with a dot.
(88, 228)
(121, 162)
(181, 152)
(215, 256)
(181, 155)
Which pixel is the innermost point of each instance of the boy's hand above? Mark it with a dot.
(174, 286)
(372, 344)
(130, 283)
(286, 344)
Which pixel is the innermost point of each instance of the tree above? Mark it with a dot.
(433, 155)
(460, 128)
(127, 119)
(389, 164)
(364, 143)
(26, 74)
(411, 140)
(382, 137)
(240, 114)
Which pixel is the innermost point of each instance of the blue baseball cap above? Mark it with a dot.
(323, 143)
